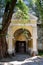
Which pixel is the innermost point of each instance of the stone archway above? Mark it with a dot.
(23, 40)
(22, 32)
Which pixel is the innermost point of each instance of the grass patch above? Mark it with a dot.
(40, 53)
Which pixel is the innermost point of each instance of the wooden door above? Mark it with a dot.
(21, 46)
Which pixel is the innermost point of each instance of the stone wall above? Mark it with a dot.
(40, 37)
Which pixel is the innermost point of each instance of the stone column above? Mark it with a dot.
(10, 45)
(34, 46)
(34, 51)
(13, 46)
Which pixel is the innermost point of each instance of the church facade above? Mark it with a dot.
(22, 36)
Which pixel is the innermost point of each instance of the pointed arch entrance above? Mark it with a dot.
(22, 40)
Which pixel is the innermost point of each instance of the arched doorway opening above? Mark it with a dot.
(22, 38)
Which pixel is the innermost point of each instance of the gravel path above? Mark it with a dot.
(22, 59)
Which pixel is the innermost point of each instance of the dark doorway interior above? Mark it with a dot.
(20, 46)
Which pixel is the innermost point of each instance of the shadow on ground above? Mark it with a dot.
(17, 57)
(22, 59)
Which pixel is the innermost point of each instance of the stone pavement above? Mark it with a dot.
(22, 59)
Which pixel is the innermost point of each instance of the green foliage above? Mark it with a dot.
(34, 1)
(30, 3)
(40, 53)
(2, 3)
(40, 9)
(22, 9)
(8, 1)
(20, 6)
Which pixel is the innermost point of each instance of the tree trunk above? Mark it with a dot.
(3, 46)
(5, 23)
(8, 15)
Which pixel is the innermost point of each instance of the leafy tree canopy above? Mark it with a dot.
(22, 10)
(21, 6)
(40, 8)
